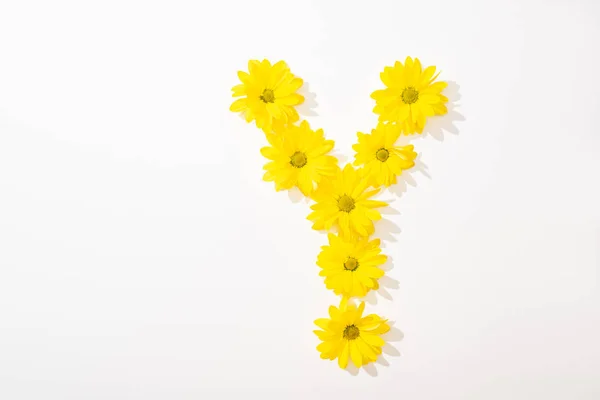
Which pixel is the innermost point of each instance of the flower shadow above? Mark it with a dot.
(386, 230)
(307, 108)
(386, 283)
(407, 178)
(296, 196)
(342, 158)
(388, 265)
(438, 125)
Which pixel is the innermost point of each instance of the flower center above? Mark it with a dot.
(346, 203)
(298, 159)
(268, 96)
(410, 95)
(382, 154)
(351, 332)
(351, 264)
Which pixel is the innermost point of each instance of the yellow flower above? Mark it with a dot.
(382, 160)
(351, 268)
(299, 157)
(343, 201)
(411, 95)
(268, 94)
(349, 335)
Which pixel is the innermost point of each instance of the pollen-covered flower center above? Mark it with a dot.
(268, 96)
(351, 264)
(346, 203)
(382, 154)
(351, 332)
(298, 159)
(410, 95)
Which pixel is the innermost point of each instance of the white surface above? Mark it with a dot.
(142, 257)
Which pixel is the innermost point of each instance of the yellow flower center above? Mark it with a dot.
(351, 332)
(351, 264)
(410, 95)
(268, 96)
(298, 159)
(382, 155)
(346, 203)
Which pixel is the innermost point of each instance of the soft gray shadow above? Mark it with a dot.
(351, 368)
(386, 230)
(370, 369)
(307, 109)
(382, 361)
(388, 265)
(394, 334)
(385, 282)
(295, 195)
(342, 158)
(388, 210)
(371, 297)
(437, 126)
(390, 350)
(408, 177)
(389, 283)
(383, 292)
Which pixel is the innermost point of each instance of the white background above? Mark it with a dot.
(142, 257)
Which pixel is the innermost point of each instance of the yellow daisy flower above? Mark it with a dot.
(298, 157)
(411, 95)
(351, 268)
(382, 160)
(343, 201)
(268, 93)
(349, 335)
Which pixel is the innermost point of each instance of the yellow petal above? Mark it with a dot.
(355, 354)
(334, 313)
(324, 336)
(429, 98)
(291, 100)
(288, 86)
(269, 152)
(373, 203)
(379, 94)
(343, 357)
(373, 340)
(366, 350)
(277, 74)
(305, 184)
(254, 68)
(404, 112)
(244, 77)
(274, 110)
(427, 75)
(238, 90)
(359, 226)
(322, 323)
(238, 105)
(416, 73)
